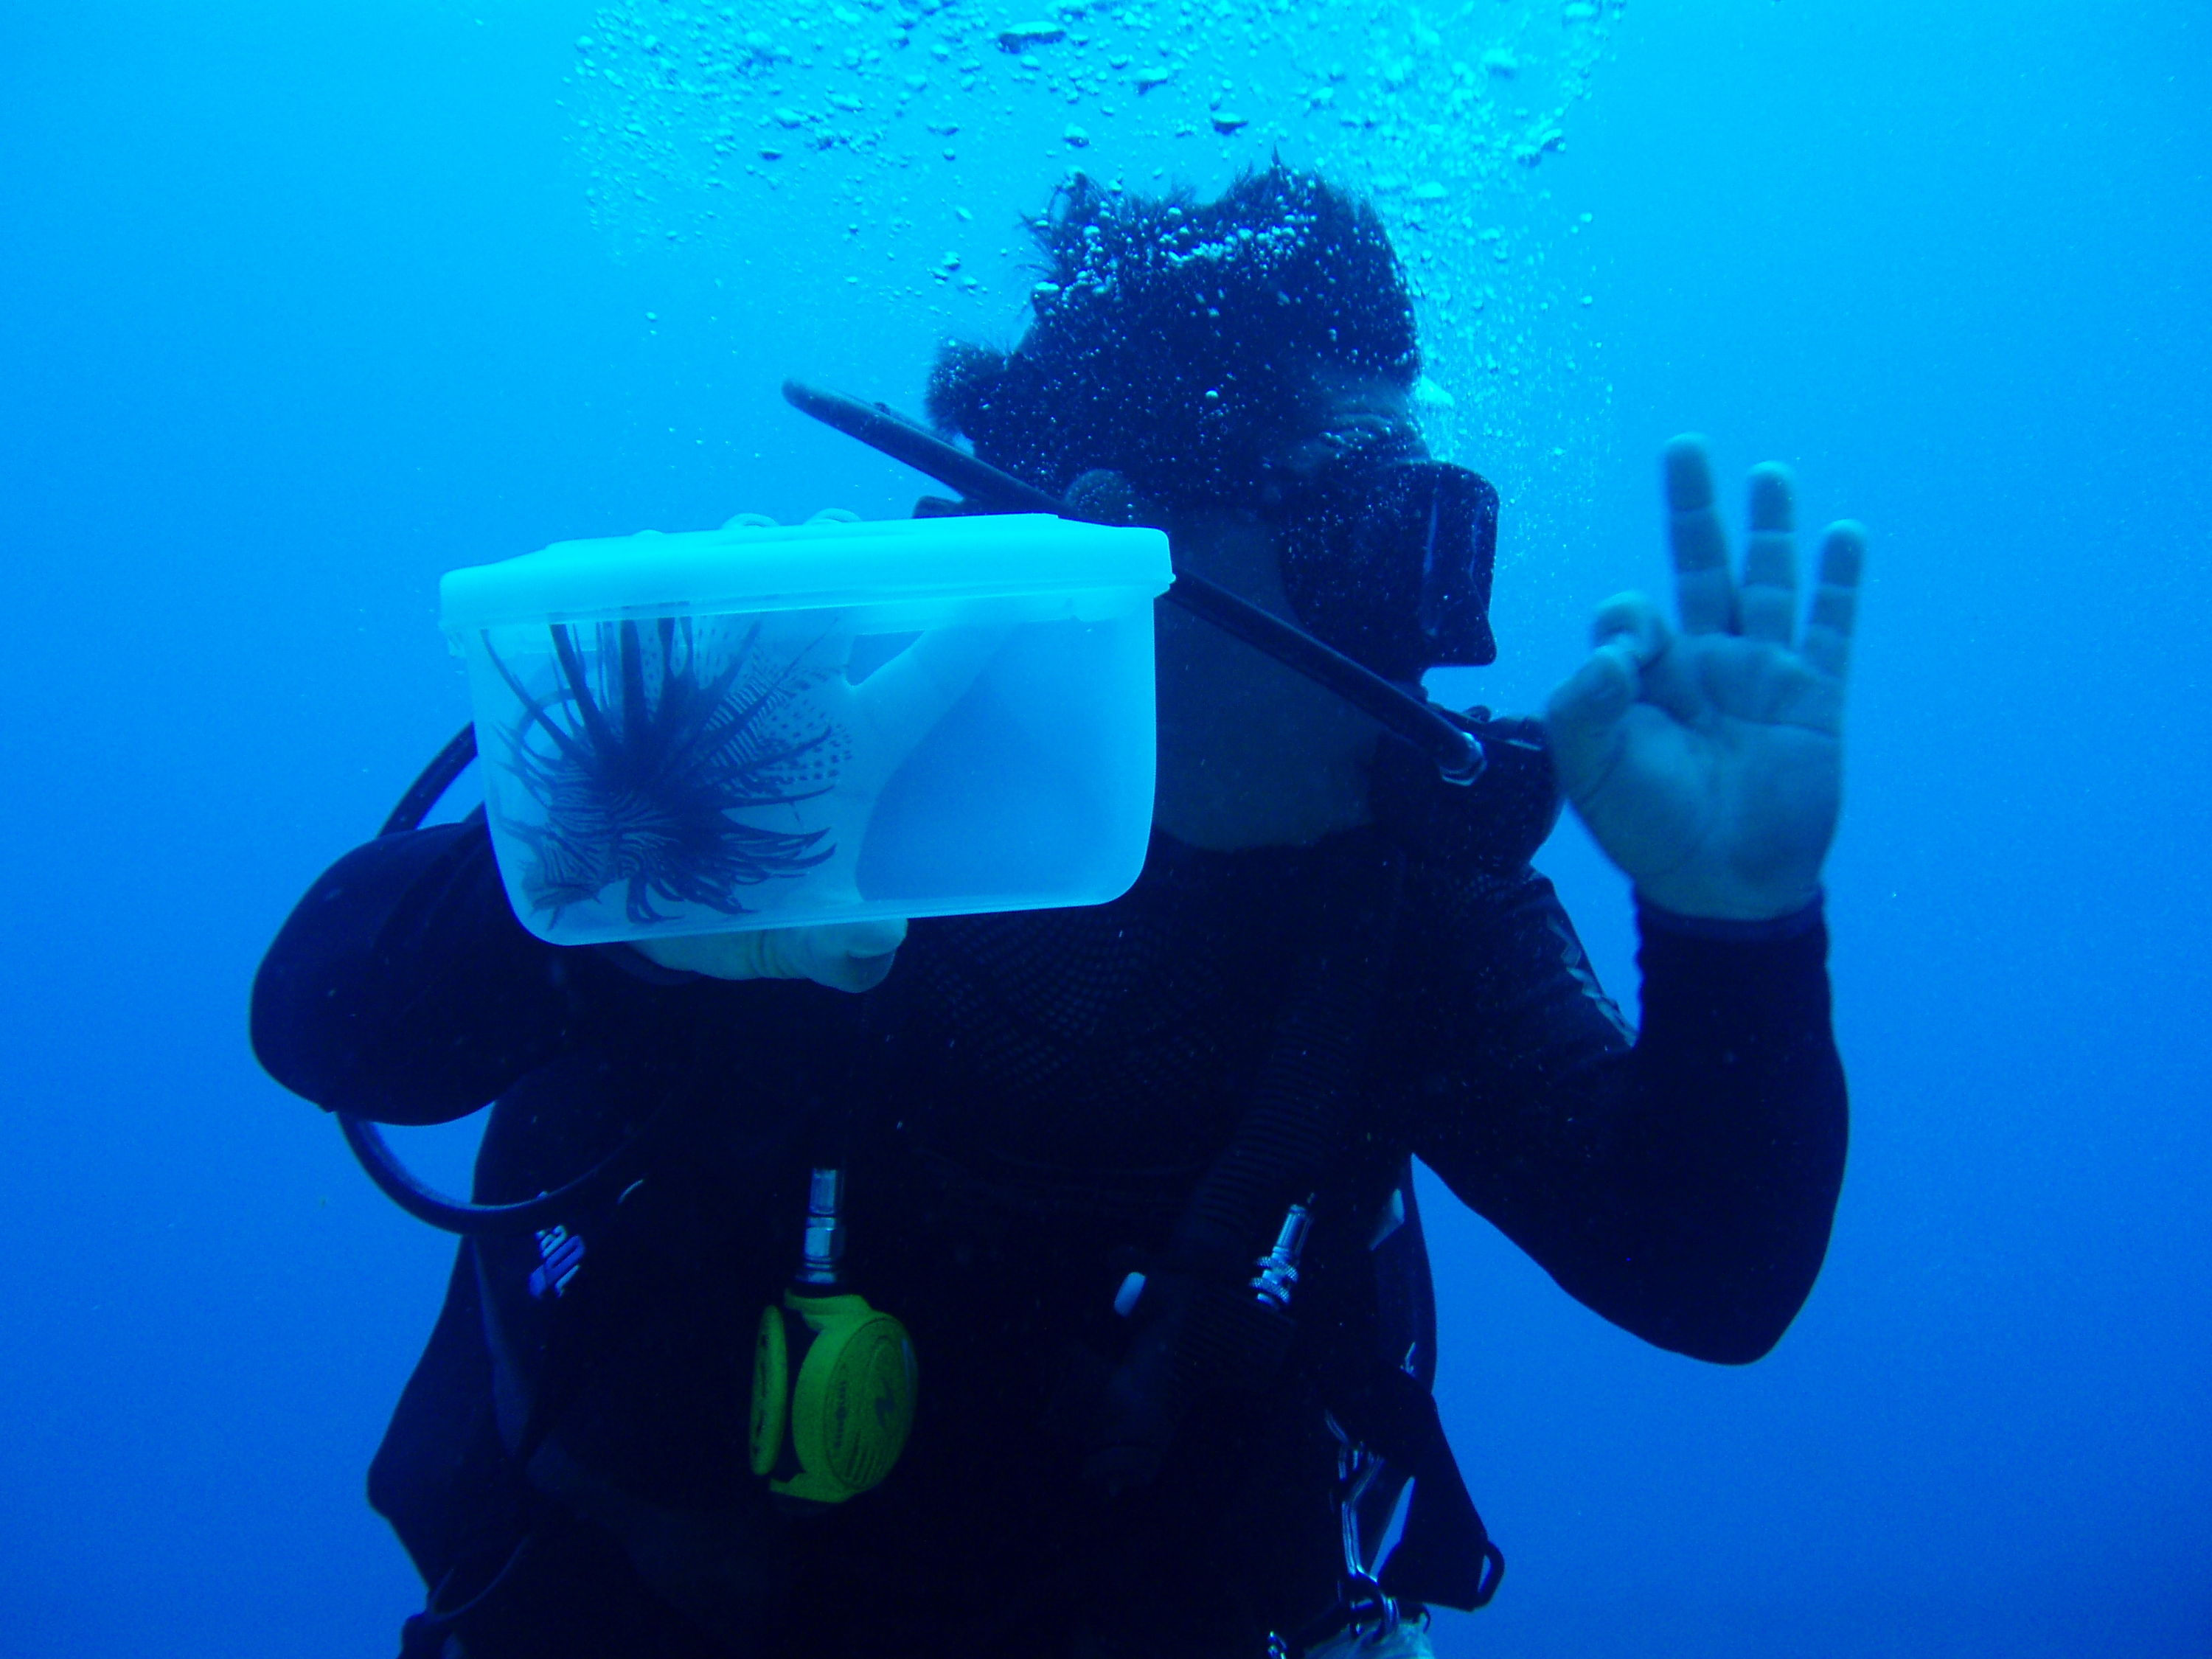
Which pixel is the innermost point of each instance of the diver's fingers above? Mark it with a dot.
(845, 955)
(1633, 624)
(899, 702)
(1584, 718)
(1828, 644)
(1766, 602)
(1704, 594)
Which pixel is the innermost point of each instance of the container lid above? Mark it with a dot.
(795, 566)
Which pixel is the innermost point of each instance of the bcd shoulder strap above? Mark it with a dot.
(1197, 1326)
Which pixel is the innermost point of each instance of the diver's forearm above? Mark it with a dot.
(1723, 1220)
(1682, 1186)
(402, 988)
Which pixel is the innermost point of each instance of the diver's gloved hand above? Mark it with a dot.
(1709, 764)
(845, 955)
(873, 725)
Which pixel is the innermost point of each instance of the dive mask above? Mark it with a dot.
(1386, 553)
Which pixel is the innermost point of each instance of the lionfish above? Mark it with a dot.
(640, 757)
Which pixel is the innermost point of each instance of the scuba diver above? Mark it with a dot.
(1051, 1284)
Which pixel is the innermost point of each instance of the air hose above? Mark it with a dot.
(393, 1178)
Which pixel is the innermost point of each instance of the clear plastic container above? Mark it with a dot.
(767, 727)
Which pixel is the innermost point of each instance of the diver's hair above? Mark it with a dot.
(1177, 341)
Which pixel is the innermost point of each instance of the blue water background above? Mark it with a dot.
(298, 307)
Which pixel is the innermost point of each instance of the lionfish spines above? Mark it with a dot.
(644, 752)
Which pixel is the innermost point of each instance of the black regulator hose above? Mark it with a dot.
(428, 790)
(452, 1215)
(374, 1154)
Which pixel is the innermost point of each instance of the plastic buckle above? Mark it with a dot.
(560, 1253)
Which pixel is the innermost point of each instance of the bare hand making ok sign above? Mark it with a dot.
(1708, 763)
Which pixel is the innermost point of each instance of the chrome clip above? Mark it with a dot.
(823, 1248)
(1279, 1269)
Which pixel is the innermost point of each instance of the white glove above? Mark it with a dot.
(880, 721)
(845, 955)
(873, 726)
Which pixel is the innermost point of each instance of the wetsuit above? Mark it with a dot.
(1045, 1089)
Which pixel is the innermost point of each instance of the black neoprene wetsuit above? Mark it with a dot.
(1045, 1088)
